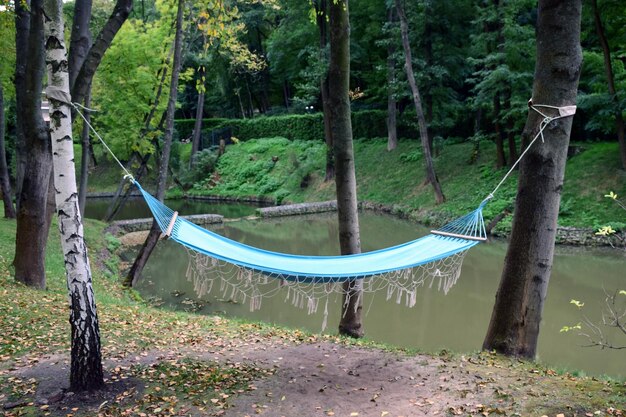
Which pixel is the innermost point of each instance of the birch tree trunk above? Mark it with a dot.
(421, 120)
(86, 360)
(5, 180)
(153, 237)
(345, 176)
(516, 317)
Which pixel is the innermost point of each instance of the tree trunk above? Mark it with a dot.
(428, 160)
(197, 129)
(86, 359)
(153, 237)
(345, 176)
(22, 28)
(32, 217)
(5, 180)
(84, 159)
(500, 157)
(515, 320)
(322, 15)
(392, 106)
(88, 68)
(80, 40)
(608, 68)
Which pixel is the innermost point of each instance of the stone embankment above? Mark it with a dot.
(565, 235)
(136, 225)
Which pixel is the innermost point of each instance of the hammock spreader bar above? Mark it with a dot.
(457, 236)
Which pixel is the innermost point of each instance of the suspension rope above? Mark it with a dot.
(76, 106)
(564, 111)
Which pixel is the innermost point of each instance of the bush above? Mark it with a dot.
(365, 124)
(204, 165)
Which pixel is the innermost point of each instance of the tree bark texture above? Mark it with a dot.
(421, 120)
(5, 180)
(85, 157)
(608, 68)
(153, 237)
(516, 317)
(22, 28)
(32, 216)
(80, 40)
(197, 128)
(88, 68)
(322, 26)
(500, 157)
(86, 360)
(345, 176)
(392, 105)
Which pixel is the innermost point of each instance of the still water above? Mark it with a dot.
(136, 208)
(456, 321)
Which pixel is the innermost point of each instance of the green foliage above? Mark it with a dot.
(203, 165)
(365, 124)
(126, 82)
(270, 167)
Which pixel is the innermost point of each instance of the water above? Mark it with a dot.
(136, 208)
(456, 321)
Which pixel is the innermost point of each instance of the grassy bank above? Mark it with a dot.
(287, 171)
(162, 363)
(290, 171)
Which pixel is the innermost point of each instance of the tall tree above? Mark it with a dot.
(5, 183)
(610, 77)
(33, 218)
(421, 120)
(516, 317)
(153, 237)
(392, 105)
(86, 359)
(345, 176)
(321, 9)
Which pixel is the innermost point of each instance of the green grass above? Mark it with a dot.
(293, 171)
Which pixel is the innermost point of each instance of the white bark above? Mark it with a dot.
(86, 363)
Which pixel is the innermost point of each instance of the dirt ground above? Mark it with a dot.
(324, 378)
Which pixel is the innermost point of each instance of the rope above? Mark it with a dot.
(76, 106)
(564, 111)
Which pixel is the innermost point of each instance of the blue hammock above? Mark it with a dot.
(453, 238)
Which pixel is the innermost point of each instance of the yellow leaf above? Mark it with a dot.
(384, 413)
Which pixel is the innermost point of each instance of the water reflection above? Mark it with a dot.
(457, 321)
(136, 208)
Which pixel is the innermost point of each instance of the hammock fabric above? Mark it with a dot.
(453, 238)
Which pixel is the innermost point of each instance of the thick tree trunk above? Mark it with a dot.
(153, 237)
(421, 120)
(84, 159)
(5, 180)
(608, 68)
(86, 360)
(32, 216)
(516, 317)
(500, 157)
(88, 68)
(392, 105)
(80, 40)
(22, 28)
(345, 176)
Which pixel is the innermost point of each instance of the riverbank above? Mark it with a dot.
(164, 363)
